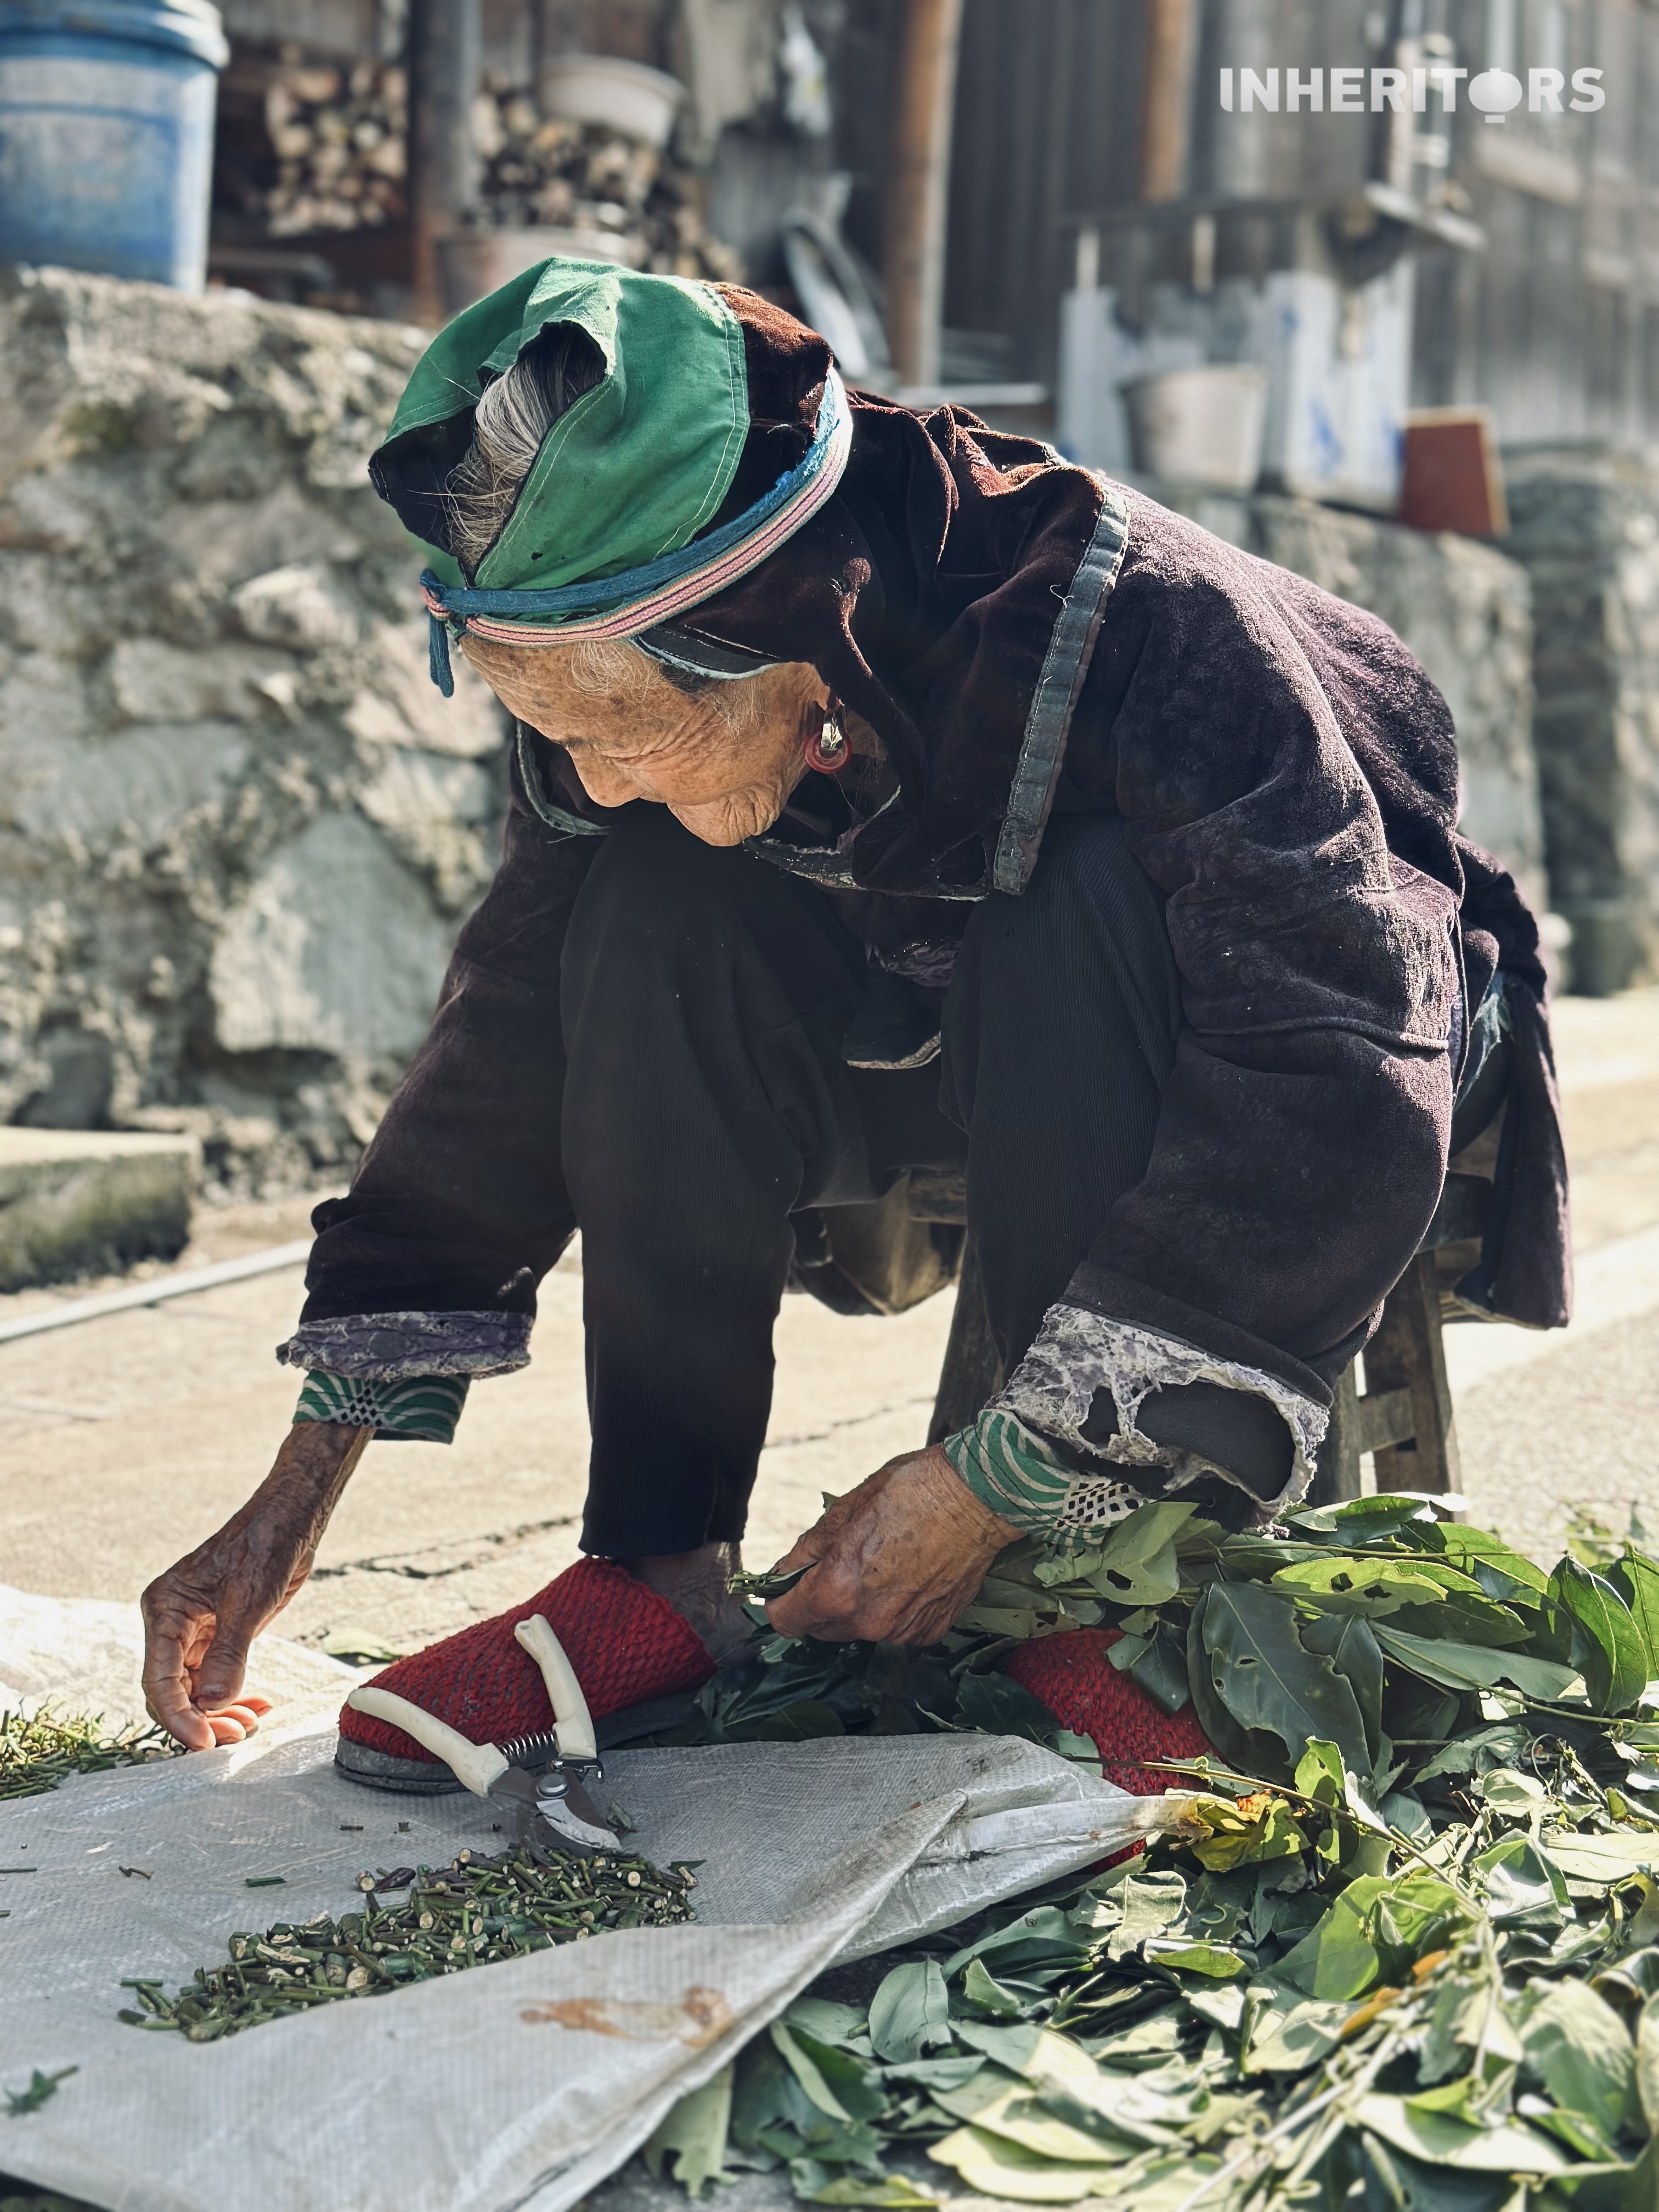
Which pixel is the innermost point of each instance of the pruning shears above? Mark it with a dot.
(552, 1810)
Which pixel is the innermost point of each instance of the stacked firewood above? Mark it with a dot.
(340, 137)
(541, 171)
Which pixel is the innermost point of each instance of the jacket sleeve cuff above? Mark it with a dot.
(423, 1411)
(1078, 1352)
(410, 1347)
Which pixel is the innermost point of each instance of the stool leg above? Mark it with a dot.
(1336, 1473)
(1407, 1353)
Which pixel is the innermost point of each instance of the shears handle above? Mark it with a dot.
(572, 1722)
(475, 1765)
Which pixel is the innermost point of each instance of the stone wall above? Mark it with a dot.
(1464, 609)
(238, 825)
(1586, 524)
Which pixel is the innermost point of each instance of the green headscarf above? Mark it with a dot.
(639, 464)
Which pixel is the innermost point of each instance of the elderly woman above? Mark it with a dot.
(893, 803)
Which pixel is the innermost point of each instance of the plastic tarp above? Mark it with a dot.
(522, 2084)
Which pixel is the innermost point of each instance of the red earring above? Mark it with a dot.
(827, 749)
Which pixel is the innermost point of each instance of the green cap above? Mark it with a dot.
(637, 467)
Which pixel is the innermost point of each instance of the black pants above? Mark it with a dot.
(705, 999)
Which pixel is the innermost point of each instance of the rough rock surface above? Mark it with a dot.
(238, 827)
(1465, 611)
(1586, 524)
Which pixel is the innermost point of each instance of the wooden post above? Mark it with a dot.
(918, 193)
(1166, 98)
(443, 48)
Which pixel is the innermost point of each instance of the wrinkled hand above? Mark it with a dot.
(895, 1560)
(201, 1615)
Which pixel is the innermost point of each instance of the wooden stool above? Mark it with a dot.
(1405, 1414)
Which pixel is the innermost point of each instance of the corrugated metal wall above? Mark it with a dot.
(1047, 123)
(1556, 326)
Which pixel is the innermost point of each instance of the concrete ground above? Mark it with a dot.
(128, 1439)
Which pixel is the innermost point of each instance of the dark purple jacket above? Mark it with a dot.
(1024, 636)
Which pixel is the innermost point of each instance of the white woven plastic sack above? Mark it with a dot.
(521, 2085)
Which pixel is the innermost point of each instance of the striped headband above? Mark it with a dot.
(645, 598)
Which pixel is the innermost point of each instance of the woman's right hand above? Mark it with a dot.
(202, 1614)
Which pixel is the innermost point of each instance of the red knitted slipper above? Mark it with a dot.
(1072, 1675)
(626, 1644)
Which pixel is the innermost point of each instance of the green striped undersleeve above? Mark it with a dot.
(424, 1410)
(1026, 1483)
(1010, 1469)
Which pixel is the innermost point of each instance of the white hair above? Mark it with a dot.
(513, 418)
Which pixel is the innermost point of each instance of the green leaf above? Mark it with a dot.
(1616, 1654)
(911, 2013)
(1647, 2063)
(1008, 2108)
(1160, 1669)
(994, 2167)
(1152, 1902)
(1577, 2046)
(1343, 1585)
(1356, 1656)
(1043, 1936)
(1414, 1914)
(833, 2081)
(1337, 1958)
(1136, 1563)
(1502, 1572)
(997, 1705)
(1636, 1578)
(41, 2088)
(1523, 1889)
(1207, 1959)
(836, 2024)
(891, 2193)
(1252, 1832)
(1603, 1858)
(1268, 1679)
(1246, 1751)
(804, 1721)
(1365, 1519)
(1467, 1666)
(981, 1989)
(1289, 2033)
(691, 2137)
(1511, 2148)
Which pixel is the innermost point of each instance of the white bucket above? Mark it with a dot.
(623, 96)
(1200, 426)
(474, 263)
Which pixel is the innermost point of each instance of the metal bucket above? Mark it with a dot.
(106, 110)
(1200, 426)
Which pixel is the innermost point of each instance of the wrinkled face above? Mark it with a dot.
(723, 762)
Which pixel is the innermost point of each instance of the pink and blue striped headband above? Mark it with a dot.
(651, 598)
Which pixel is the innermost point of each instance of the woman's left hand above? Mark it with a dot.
(894, 1561)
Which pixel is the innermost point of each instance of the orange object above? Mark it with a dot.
(1453, 477)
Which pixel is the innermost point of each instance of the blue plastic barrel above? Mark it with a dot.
(107, 113)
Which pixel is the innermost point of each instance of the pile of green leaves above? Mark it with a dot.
(37, 1750)
(1406, 1956)
(1377, 1625)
